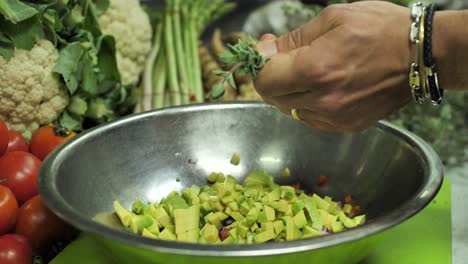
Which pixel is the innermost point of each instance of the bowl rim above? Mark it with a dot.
(51, 196)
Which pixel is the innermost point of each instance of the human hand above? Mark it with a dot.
(344, 70)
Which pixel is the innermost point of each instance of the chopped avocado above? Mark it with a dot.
(360, 219)
(222, 216)
(258, 178)
(290, 228)
(274, 195)
(265, 236)
(347, 222)
(233, 233)
(206, 208)
(139, 206)
(320, 203)
(189, 236)
(300, 220)
(167, 234)
(147, 233)
(228, 240)
(174, 201)
(124, 215)
(313, 214)
(187, 219)
(267, 215)
(140, 222)
(298, 206)
(267, 226)
(244, 208)
(154, 228)
(278, 225)
(310, 232)
(210, 233)
(257, 211)
(212, 177)
(237, 216)
(234, 206)
(235, 159)
(162, 216)
(282, 206)
(252, 216)
(347, 208)
(337, 227)
(213, 219)
(191, 193)
(254, 227)
(242, 229)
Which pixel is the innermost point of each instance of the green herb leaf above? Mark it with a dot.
(217, 91)
(89, 84)
(15, 11)
(231, 81)
(67, 65)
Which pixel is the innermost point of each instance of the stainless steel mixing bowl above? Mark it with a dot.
(392, 173)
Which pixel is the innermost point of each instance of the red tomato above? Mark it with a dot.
(16, 142)
(40, 225)
(3, 137)
(18, 170)
(47, 138)
(15, 249)
(8, 209)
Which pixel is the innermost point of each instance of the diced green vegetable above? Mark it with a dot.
(258, 212)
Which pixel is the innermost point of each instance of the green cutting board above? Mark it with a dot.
(425, 238)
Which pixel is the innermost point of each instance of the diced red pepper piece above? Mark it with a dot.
(322, 180)
(192, 98)
(348, 198)
(223, 233)
(296, 185)
(356, 209)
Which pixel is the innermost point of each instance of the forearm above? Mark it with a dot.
(450, 48)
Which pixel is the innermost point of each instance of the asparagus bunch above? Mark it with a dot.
(173, 69)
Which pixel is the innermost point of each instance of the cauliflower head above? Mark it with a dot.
(129, 24)
(30, 94)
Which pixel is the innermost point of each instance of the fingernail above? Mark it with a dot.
(267, 48)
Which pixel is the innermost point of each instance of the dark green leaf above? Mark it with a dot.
(89, 84)
(25, 33)
(67, 65)
(100, 6)
(106, 58)
(6, 47)
(15, 11)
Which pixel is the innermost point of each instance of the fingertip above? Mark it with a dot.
(267, 48)
(267, 36)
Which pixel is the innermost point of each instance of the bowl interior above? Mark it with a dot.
(150, 155)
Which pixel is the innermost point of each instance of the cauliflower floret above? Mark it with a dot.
(131, 28)
(30, 94)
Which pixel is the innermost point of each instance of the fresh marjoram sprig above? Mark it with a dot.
(244, 59)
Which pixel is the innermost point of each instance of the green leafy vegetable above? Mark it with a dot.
(246, 60)
(15, 11)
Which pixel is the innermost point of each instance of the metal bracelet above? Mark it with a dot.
(415, 81)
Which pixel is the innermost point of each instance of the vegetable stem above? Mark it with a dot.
(180, 54)
(174, 89)
(146, 103)
(159, 80)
